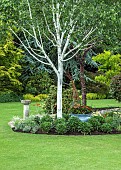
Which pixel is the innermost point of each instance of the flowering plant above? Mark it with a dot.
(78, 109)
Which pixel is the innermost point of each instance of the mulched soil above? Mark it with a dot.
(52, 132)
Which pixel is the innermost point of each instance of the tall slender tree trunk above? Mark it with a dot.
(82, 78)
(59, 89)
(75, 92)
(82, 81)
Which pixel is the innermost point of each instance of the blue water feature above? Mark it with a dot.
(82, 117)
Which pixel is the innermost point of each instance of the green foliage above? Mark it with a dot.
(46, 118)
(31, 97)
(106, 127)
(51, 104)
(110, 65)
(114, 119)
(35, 98)
(93, 96)
(96, 124)
(27, 125)
(51, 100)
(85, 128)
(115, 87)
(9, 97)
(73, 123)
(46, 126)
(67, 100)
(66, 116)
(46, 123)
(10, 70)
(60, 126)
(37, 82)
(78, 109)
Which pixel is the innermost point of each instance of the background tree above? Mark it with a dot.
(109, 66)
(9, 66)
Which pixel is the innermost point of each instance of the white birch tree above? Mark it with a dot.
(60, 37)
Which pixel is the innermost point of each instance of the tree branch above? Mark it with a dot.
(68, 37)
(72, 55)
(90, 32)
(28, 49)
(49, 27)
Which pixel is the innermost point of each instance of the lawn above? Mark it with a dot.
(103, 103)
(53, 152)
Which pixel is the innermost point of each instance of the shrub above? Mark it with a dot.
(46, 118)
(18, 123)
(51, 105)
(37, 81)
(60, 126)
(73, 123)
(96, 124)
(9, 97)
(42, 96)
(67, 100)
(78, 109)
(27, 125)
(100, 119)
(46, 126)
(93, 96)
(28, 96)
(31, 97)
(106, 127)
(85, 128)
(66, 116)
(114, 119)
(115, 87)
(35, 98)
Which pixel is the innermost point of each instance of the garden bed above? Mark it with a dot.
(100, 124)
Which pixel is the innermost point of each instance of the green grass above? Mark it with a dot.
(103, 103)
(23, 151)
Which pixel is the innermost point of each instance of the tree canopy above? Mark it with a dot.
(9, 66)
(109, 66)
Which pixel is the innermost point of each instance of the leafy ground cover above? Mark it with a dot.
(33, 152)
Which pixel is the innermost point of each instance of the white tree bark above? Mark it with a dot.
(58, 41)
(59, 90)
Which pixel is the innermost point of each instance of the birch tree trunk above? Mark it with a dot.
(59, 90)
(60, 36)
